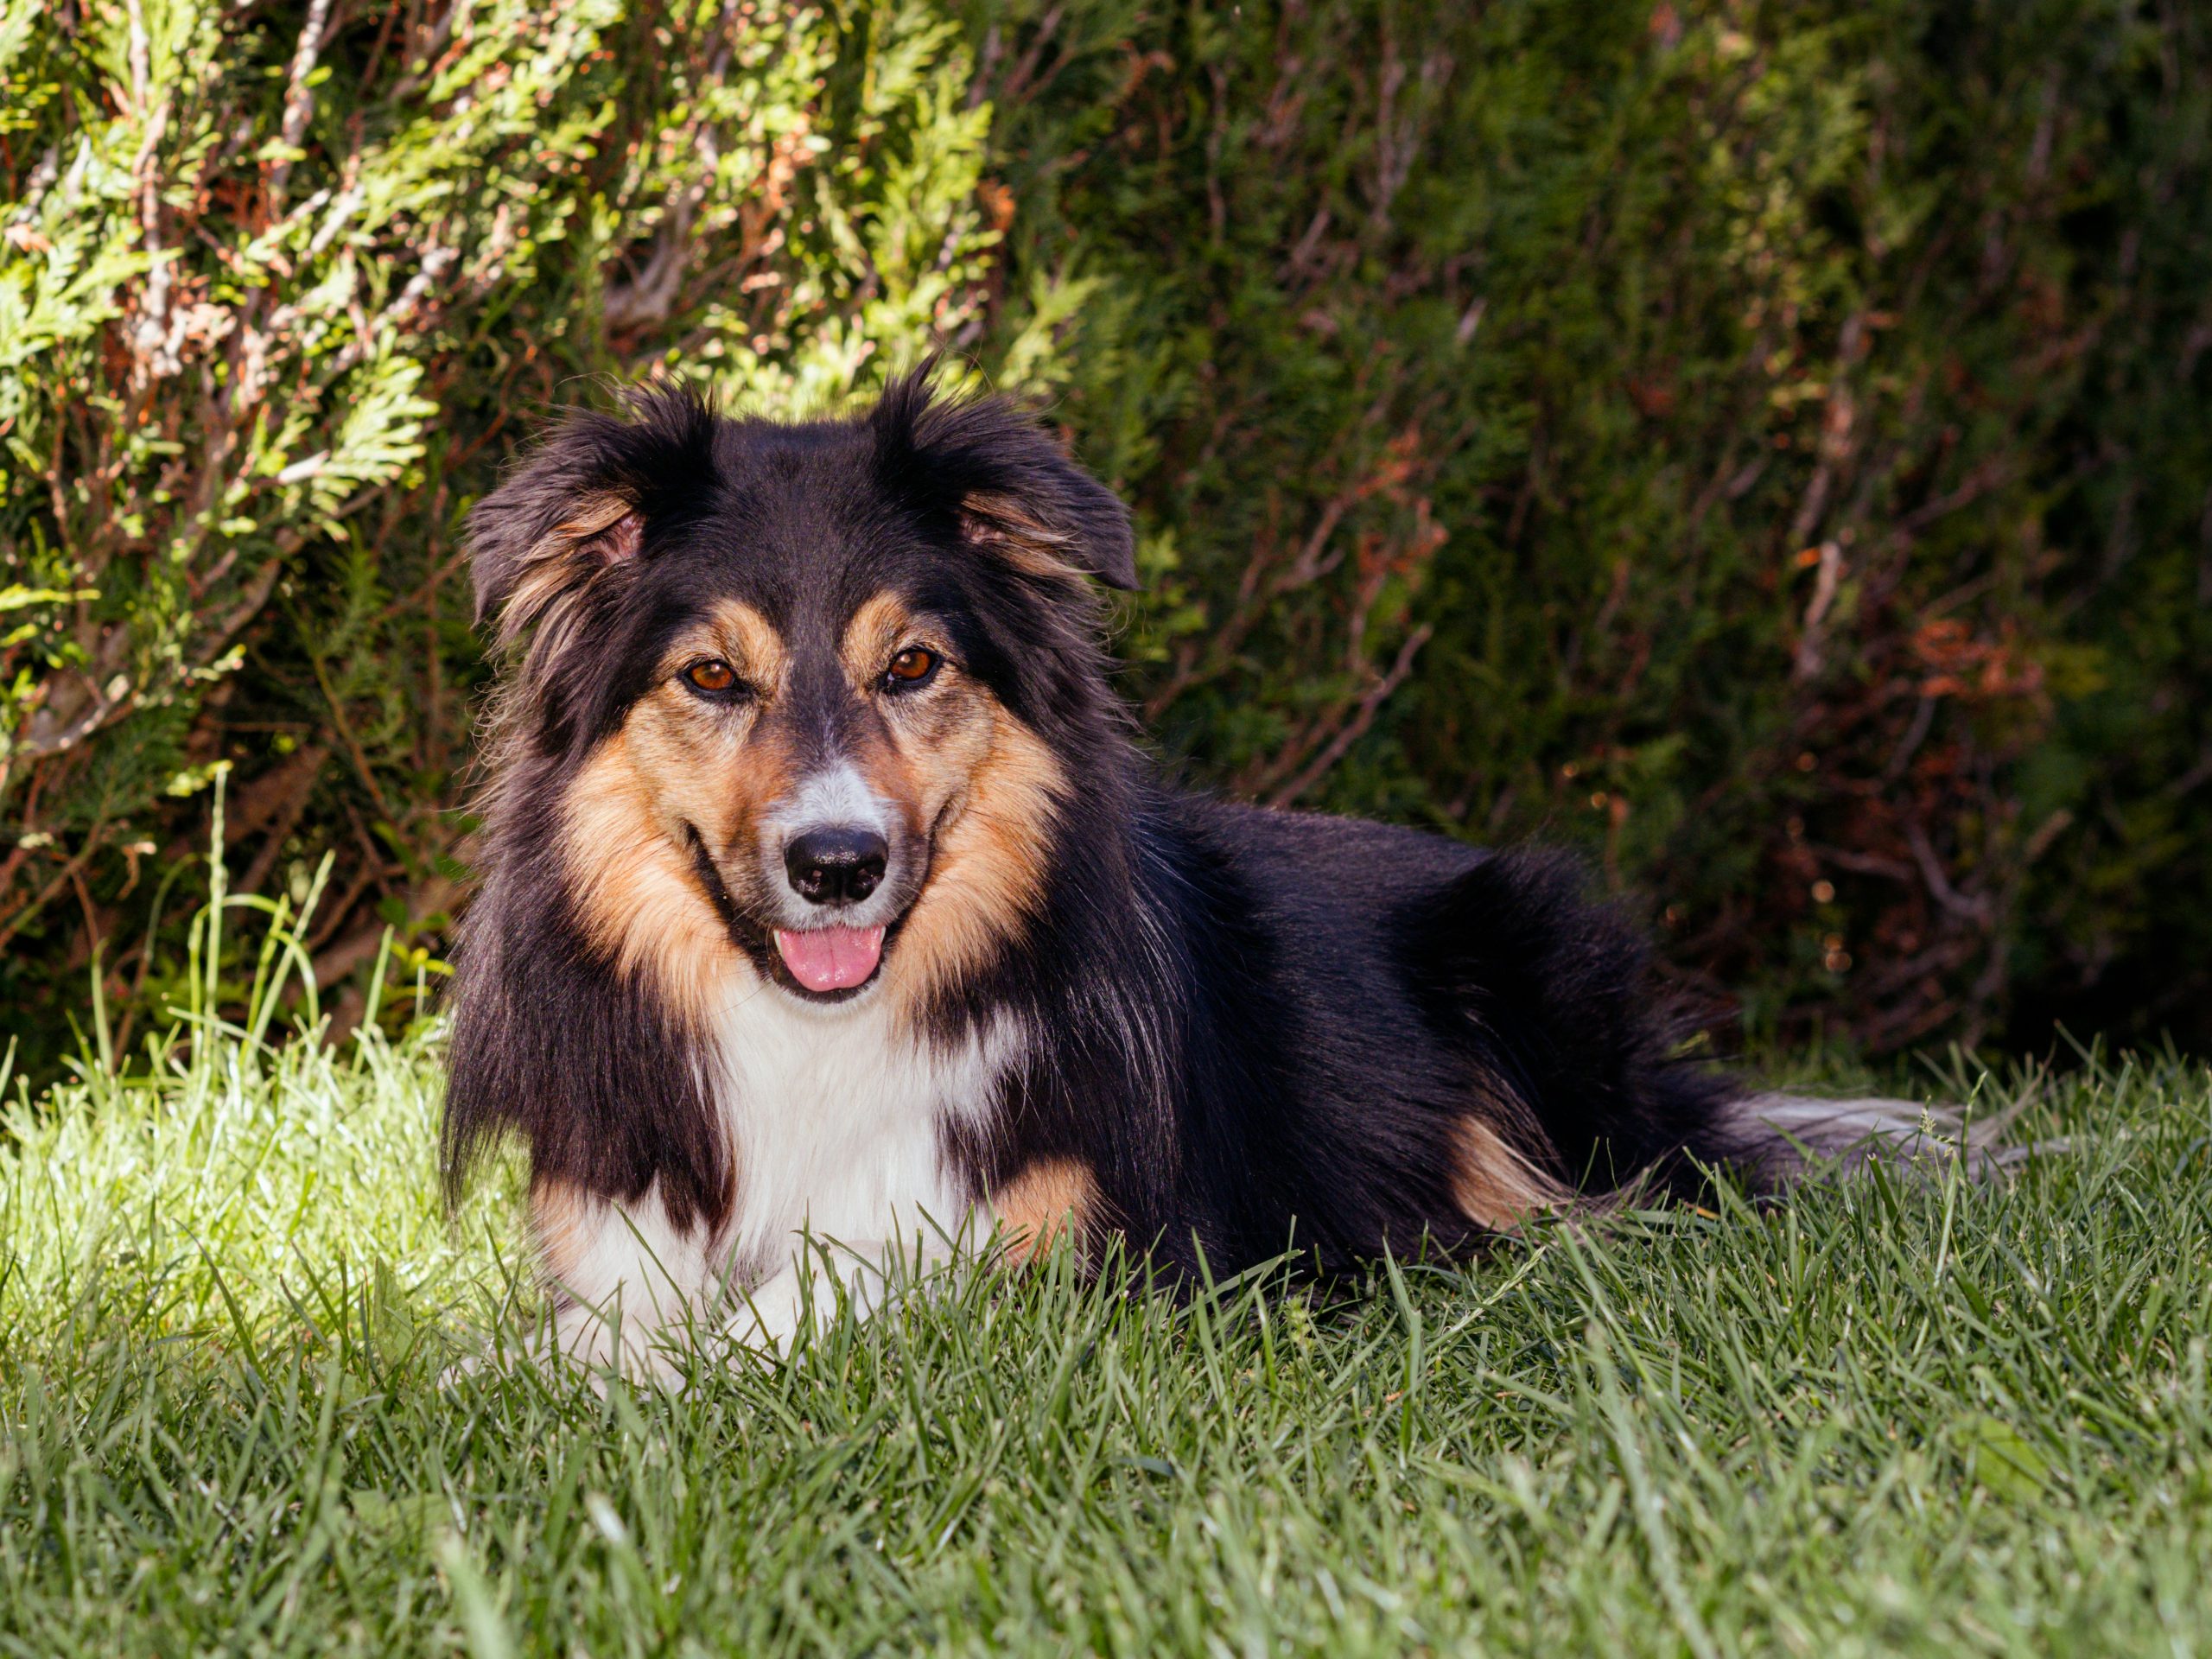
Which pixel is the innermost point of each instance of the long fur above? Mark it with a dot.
(1211, 1029)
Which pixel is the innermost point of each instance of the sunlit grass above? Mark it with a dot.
(1889, 1417)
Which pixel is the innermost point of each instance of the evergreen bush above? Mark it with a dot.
(1765, 443)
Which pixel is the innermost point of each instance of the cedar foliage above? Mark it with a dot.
(1766, 444)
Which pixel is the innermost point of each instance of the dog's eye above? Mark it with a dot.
(712, 675)
(910, 670)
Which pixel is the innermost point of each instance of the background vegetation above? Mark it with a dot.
(1769, 443)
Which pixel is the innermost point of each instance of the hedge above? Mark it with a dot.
(1767, 444)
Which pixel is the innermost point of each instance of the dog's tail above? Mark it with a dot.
(1774, 1139)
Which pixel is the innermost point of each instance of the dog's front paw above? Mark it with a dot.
(466, 1367)
(581, 1343)
(772, 1313)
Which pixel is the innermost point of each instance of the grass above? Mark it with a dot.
(1885, 1418)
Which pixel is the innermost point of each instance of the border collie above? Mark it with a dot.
(827, 895)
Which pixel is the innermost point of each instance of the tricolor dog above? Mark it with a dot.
(828, 894)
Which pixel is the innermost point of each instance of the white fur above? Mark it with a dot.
(640, 1276)
(836, 795)
(834, 1117)
(1856, 1132)
(834, 1113)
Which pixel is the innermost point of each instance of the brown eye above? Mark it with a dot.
(713, 675)
(911, 669)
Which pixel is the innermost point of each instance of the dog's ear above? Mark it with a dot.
(1004, 479)
(524, 565)
(574, 509)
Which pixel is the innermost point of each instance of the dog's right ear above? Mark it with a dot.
(523, 566)
(574, 510)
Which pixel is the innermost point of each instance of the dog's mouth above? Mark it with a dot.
(825, 960)
(832, 963)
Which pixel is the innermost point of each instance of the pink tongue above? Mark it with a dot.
(831, 958)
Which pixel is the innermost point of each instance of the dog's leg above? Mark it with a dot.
(776, 1310)
(1022, 1220)
(865, 1275)
(631, 1281)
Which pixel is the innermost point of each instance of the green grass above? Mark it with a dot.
(1885, 1418)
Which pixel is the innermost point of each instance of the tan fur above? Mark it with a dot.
(592, 514)
(1493, 1184)
(1032, 1209)
(636, 893)
(675, 762)
(556, 565)
(953, 757)
(986, 880)
(747, 639)
(1001, 523)
(564, 1218)
(877, 633)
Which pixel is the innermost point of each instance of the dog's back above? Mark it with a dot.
(1386, 1038)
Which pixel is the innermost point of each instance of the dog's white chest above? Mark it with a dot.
(834, 1116)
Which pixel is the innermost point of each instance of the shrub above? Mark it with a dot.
(280, 288)
(1765, 443)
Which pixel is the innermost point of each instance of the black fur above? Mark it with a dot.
(1248, 1024)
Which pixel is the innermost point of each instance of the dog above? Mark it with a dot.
(827, 894)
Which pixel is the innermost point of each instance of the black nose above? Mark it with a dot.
(837, 865)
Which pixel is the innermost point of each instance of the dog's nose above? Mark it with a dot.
(837, 865)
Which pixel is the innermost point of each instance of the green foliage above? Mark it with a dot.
(280, 286)
(1764, 443)
(1767, 444)
(1893, 1417)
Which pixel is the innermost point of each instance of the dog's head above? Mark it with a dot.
(796, 693)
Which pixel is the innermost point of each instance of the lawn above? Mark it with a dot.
(1890, 1416)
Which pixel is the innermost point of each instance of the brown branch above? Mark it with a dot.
(1838, 424)
(45, 895)
(1807, 664)
(1974, 908)
(361, 945)
(289, 788)
(2198, 774)
(352, 744)
(1360, 722)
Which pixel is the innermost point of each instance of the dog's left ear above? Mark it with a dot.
(1007, 484)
